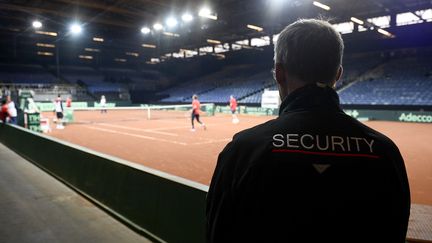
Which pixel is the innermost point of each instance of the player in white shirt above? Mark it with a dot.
(103, 104)
(12, 111)
(58, 108)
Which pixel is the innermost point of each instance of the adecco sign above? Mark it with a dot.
(410, 117)
(392, 115)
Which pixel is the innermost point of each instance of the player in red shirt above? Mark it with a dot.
(233, 107)
(69, 102)
(196, 112)
(4, 111)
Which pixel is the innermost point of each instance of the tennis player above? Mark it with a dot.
(233, 107)
(58, 108)
(103, 104)
(195, 114)
(69, 102)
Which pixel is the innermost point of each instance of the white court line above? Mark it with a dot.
(135, 135)
(196, 125)
(170, 128)
(139, 129)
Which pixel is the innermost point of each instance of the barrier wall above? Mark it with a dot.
(164, 207)
(392, 115)
(369, 114)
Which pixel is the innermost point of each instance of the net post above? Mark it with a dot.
(148, 113)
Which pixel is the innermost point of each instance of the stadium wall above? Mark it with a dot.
(163, 207)
(405, 115)
(391, 115)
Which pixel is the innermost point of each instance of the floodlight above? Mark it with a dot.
(171, 22)
(157, 26)
(254, 27)
(207, 13)
(320, 5)
(187, 17)
(75, 28)
(37, 24)
(213, 41)
(145, 30)
(356, 20)
(204, 12)
(386, 33)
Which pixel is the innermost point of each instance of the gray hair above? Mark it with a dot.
(310, 50)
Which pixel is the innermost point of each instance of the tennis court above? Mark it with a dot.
(166, 143)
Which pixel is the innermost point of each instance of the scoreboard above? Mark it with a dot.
(270, 99)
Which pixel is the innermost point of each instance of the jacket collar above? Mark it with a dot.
(311, 97)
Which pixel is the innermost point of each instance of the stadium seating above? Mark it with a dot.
(378, 78)
(108, 82)
(403, 81)
(241, 89)
(355, 66)
(85, 75)
(20, 73)
(368, 79)
(239, 81)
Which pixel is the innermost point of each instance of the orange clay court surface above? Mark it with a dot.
(167, 144)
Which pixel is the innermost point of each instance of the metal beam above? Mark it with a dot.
(34, 10)
(111, 8)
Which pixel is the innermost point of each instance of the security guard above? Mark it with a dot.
(314, 174)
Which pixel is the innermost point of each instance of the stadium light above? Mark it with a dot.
(171, 22)
(98, 39)
(171, 34)
(45, 45)
(320, 5)
(148, 45)
(206, 13)
(46, 33)
(75, 28)
(356, 20)
(45, 53)
(157, 26)
(37, 24)
(145, 30)
(386, 33)
(213, 41)
(187, 17)
(254, 27)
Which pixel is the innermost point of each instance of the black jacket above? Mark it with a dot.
(314, 174)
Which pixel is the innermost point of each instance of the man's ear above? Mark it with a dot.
(339, 73)
(281, 80)
(280, 74)
(338, 76)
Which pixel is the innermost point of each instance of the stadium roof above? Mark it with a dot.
(118, 23)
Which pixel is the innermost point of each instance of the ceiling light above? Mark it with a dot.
(254, 27)
(206, 13)
(213, 41)
(98, 39)
(356, 20)
(75, 28)
(145, 30)
(187, 17)
(46, 33)
(386, 33)
(157, 26)
(171, 22)
(37, 24)
(148, 45)
(320, 5)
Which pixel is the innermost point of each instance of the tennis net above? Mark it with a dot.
(143, 112)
